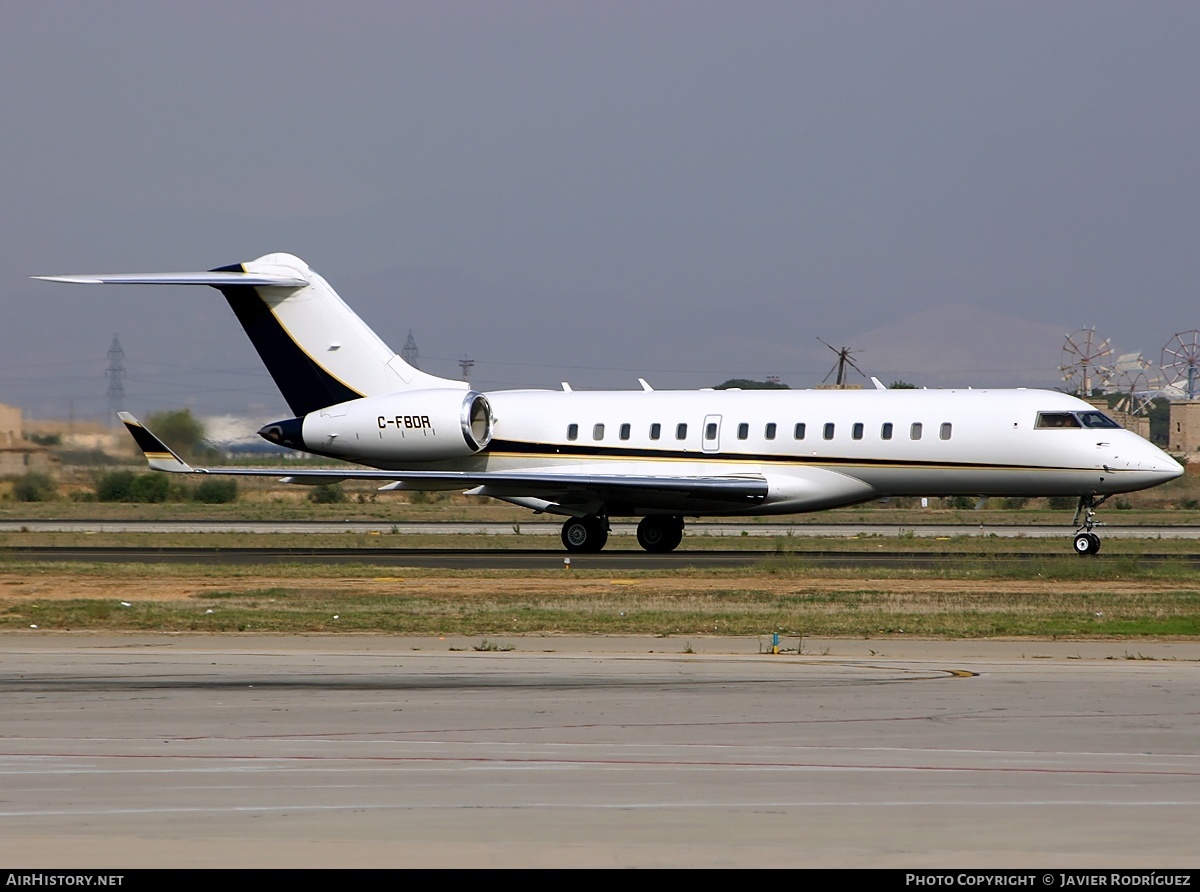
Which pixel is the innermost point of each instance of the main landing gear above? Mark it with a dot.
(585, 535)
(1087, 542)
(658, 533)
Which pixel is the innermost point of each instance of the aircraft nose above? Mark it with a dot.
(1153, 461)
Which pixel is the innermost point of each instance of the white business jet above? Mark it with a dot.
(658, 455)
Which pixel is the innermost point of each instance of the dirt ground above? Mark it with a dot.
(180, 587)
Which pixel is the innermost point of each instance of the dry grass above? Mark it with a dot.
(363, 598)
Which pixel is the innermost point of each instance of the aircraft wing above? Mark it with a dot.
(558, 490)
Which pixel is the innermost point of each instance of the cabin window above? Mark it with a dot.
(914, 432)
(947, 429)
(769, 433)
(829, 431)
(681, 432)
(655, 431)
(598, 432)
(798, 431)
(625, 430)
(885, 432)
(572, 431)
(710, 431)
(743, 431)
(856, 432)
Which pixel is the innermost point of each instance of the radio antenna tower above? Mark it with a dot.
(409, 351)
(116, 379)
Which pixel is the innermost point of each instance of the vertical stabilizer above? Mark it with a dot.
(316, 348)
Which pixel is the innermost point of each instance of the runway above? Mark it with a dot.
(180, 751)
(720, 529)
(549, 559)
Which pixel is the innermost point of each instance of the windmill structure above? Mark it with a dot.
(1136, 380)
(1181, 362)
(1085, 361)
(844, 359)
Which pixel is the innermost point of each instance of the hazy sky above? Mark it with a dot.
(591, 191)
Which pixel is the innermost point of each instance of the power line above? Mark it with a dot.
(116, 379)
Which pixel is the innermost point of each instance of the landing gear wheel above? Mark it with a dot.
(659, 534)
(584, 535)
(1086, 542)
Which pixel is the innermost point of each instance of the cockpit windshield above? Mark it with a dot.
(1096, 419)
(1047, 420)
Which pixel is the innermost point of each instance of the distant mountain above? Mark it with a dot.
(959, 345)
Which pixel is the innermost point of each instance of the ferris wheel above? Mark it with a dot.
(1084, 358)
(1181, 360)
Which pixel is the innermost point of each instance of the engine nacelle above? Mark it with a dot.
(419, 425)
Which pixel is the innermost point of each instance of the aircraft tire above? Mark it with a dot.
(658, 534)
(584, 535)
(1083, 544)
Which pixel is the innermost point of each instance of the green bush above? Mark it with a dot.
(327, 494)
(35, 487)
(114, 486)
(216, 491)
(150, 488)
(126, 486)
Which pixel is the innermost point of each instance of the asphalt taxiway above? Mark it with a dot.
(156, 750)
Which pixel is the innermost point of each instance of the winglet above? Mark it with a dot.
(158, 454)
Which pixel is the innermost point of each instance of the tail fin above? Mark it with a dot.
(316, 348)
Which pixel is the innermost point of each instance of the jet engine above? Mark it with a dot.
(418, 425)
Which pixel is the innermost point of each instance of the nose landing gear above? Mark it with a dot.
(1087, 542)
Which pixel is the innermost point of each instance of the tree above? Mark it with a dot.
(748, 384)
(901, 385)
(35, 487)
(179, 429)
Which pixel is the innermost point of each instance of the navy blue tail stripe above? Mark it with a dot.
(304, 384)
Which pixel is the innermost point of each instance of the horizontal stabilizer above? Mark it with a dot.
(216, 278)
